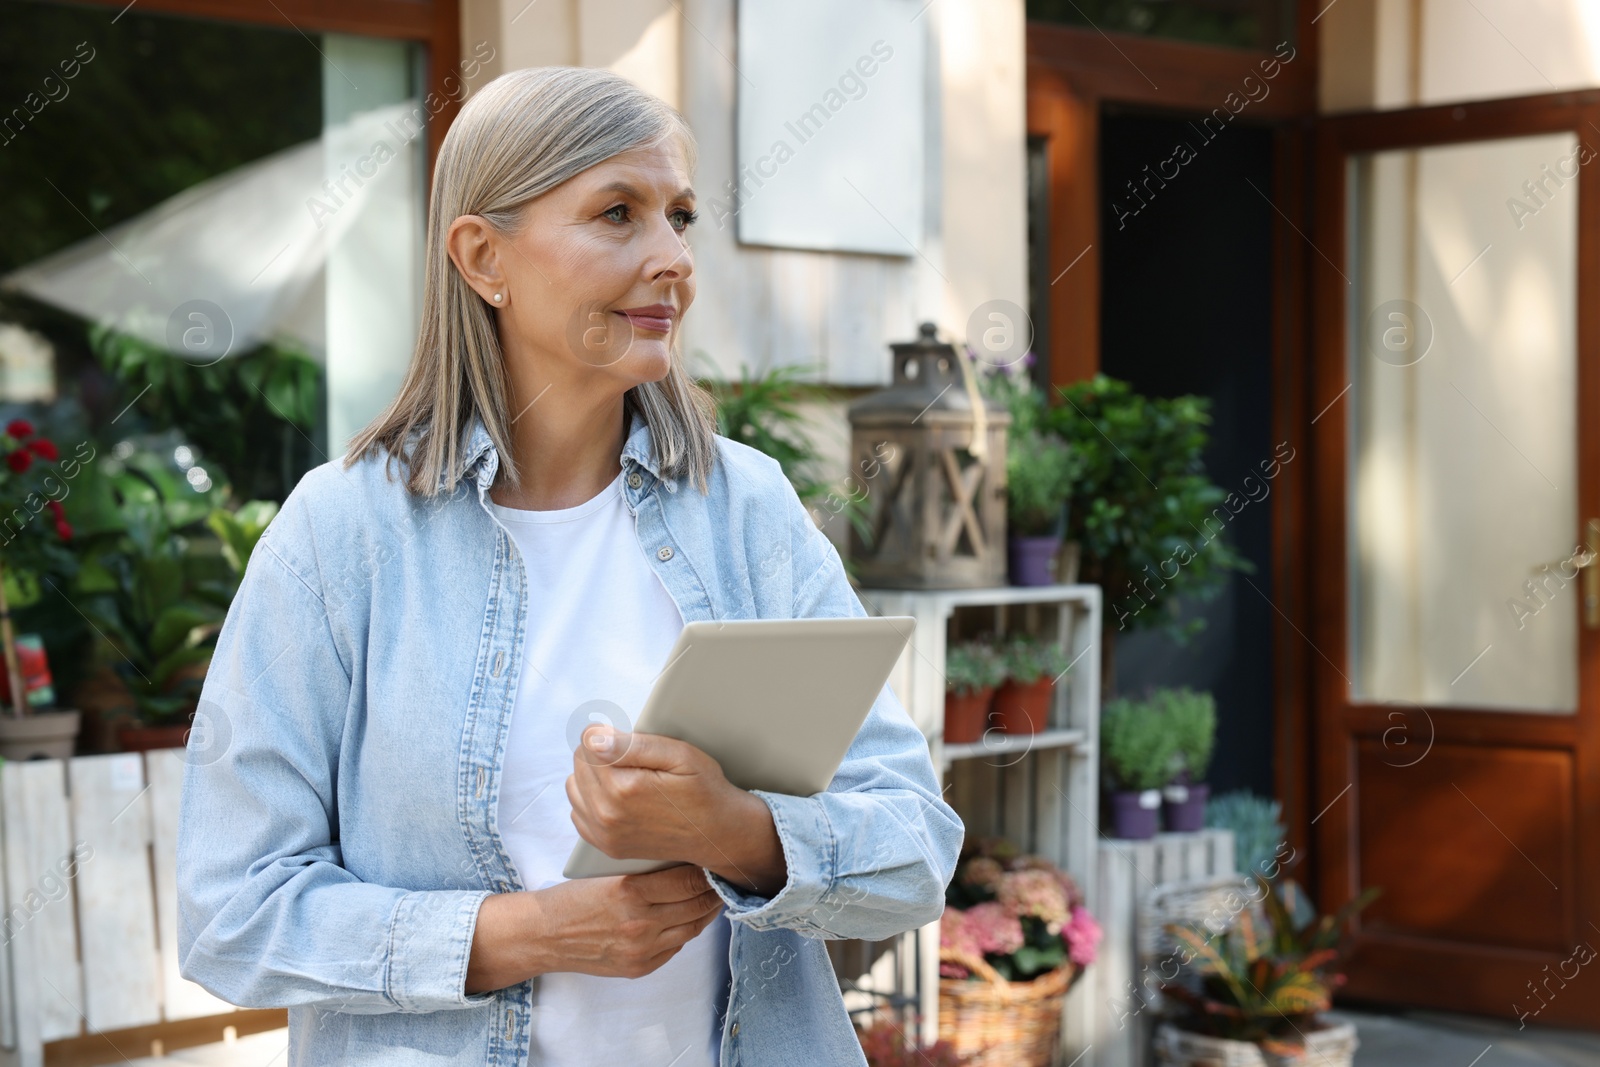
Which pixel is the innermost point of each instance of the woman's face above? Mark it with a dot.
(599, 276)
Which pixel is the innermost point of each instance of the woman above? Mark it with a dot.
(399, 750)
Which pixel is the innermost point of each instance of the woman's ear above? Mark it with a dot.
(473, 246)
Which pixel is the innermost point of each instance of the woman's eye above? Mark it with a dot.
(623, 208)
(684, 218)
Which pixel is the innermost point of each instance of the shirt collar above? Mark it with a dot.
(477, 446)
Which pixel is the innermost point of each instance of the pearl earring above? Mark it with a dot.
(497, 298)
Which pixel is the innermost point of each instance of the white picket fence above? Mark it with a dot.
(90, 939)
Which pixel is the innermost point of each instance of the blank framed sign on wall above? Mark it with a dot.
(831, 151)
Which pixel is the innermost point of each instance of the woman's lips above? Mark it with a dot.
(649, 320)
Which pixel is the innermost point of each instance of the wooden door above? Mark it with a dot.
(1456, 744)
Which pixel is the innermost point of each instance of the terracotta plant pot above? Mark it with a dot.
(143, 737)
(966, 715)
(42, 735)
(1024, 709)
(1032, 559)
(1183, 807)
(1135, 814)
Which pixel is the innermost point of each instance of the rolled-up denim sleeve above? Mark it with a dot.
(871, 856)
(267, 915)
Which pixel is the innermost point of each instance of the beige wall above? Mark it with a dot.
(1402, 53)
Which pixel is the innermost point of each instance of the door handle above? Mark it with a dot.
(1587, 561)
(1591, 574)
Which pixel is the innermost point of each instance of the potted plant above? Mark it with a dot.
(767, 412)
(1137, 753)
(1257, 997)
(33, 535)
(1040, 468)
(1151, 526)
(155, 583)
(888, 1045)
(1014, 937)
(972, 671)
(1192, 720)
(1022, 703)
(1256, 823)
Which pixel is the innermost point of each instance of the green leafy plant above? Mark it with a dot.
(1028, 658)
(1191, 718)
(1040, 472)
(1041, 468)
(1264, 986)
(153, 581)
(253, 414)
(763, 412)
(1256, 823)
(1136, 745)
(1147, 502)
(970, 666)
(240, 530)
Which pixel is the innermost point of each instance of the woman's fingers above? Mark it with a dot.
(677, 936)
(665, 886)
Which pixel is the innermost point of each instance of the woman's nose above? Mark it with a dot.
(668, 253)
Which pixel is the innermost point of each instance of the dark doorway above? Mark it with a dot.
(1186, 308)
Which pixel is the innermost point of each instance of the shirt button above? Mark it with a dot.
(634, 481)
(735, 1031)
(664, 553)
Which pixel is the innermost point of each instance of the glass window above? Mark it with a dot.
(1463, 509)
(210, 229)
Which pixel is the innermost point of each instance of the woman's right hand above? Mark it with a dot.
(622, 926)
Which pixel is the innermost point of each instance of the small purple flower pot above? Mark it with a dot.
(1135, 815)
(1184, 807)
(1031, 560)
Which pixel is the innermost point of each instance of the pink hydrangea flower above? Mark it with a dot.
(983, 871)
(995, 927)
(1082, 935)
(955, 931)
(1038, 893)
(1068, 884)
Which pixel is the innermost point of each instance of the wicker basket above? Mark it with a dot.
(1000, 1023)
(1333, 1045)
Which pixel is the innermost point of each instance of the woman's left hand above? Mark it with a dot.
(652, 797)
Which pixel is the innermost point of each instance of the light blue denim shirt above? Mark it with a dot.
(338, 824)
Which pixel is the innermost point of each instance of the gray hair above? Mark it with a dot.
(521, 135)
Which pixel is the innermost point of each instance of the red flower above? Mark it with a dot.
(20, 460)
(19, 428)
(44, 448)
(56, 509)
(64, 528)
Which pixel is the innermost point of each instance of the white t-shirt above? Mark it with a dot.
(600, 626)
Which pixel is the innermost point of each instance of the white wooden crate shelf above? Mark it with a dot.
(996, 743)
(1038, 790)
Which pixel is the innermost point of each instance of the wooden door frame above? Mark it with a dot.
(1336, 728)
(1070, 74)
(435, 24)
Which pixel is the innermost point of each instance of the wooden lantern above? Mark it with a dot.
(930, 453)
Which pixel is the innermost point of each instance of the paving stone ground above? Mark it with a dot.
(1432, 1039)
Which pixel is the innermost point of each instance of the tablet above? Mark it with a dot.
(776, 702)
